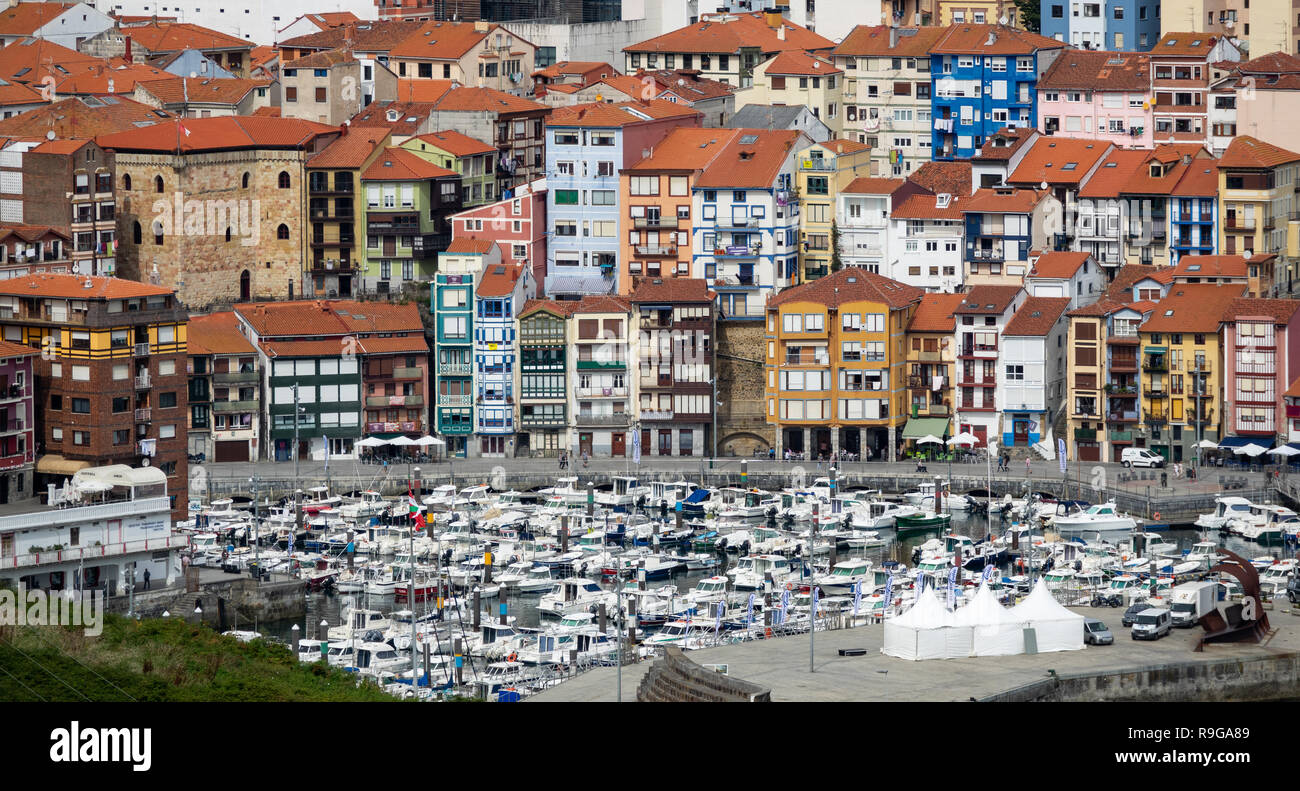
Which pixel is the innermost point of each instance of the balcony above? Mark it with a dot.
(594, 419)
(643, 223)
(1120, 391)
(142, 381)
(655, 251)
(1085, 434)
(140, 350)
(816, 165)
(235, 378)
(459, 399)
(407, 373)
(1157, 392)
(542, 421)
(225, 407)
(600, 392)
(650, 415)
(1206, 417)
(455, 369)
(144, 415)
(1121, 436)
(1156, 364)
(987, 380)
(25, 560)
(933, 410)
(1154, 419)
(977, 254)
(978, 350)
(395, 400)
(601, 365)
(977, 406)
(1122, 417)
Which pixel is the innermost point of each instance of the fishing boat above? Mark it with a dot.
(317, 498)
(923, 522)
(1100, 518)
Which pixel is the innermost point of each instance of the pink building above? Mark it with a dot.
(1260, 362)
(1101, 95)
(516, 223)
(17, 421)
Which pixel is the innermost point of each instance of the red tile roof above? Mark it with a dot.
(15, 93)
(365, 36)
(1058, 161)
(840, 145)
(498, 280)
(1192, 308)
(686, 148)
(1003, 144)
(175, 90)
(935, 313)
(728, 33)
(604, 114)
(578, 68)
(330, 317)
(117, 78)
(687, 84)
(416, 90)
(350, 150)
(871, 185)
(471, 245)
(752, 165)
(175, 36)
(219, 134)
(601, 303)
(9, 349)
(1094, 70)
(440, 40)
(85, 117)
(1271, 63)
(1036, 316)
(323, 59)
(868, 40)
(27, 18)
(924, 206)
(556, 306)
(991, 40)
(29, 60)
(485, 99)
(457, 144)
(671, 289)
(1060, 265)
(217, 333)
(1185, 44)
(1115, 173)
(800, 64)
(1281, 310)
(850, 285)
(410, 115)
(988, 299)
(1210, 266)
(398, 164)
(1016, 201)
(74, 287)
(1248, 152)
(953, 178)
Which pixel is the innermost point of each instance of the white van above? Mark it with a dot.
(1151, 624)
(1141, 457)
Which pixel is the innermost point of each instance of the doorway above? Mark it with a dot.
(245, 286)
(1020, 432)
(584, 443)
(618, 444)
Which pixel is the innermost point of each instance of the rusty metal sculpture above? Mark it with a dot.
(1229, 626)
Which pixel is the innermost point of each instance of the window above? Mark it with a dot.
(166, 400)
(566, 197)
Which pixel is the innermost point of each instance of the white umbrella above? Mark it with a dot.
(428, 440)
(964, 438)
(1284, 450)
(929, 439)
(372, 442)
(1207, 443)
(1250, 450)
(402, 441)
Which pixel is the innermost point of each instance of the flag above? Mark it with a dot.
(952, 588)
(327, 454)
(816, 594)
(857, 596)
(717, 623)
(413, 509)
(180, 127)
(889, 591)
(989, 568)
(749, 613)
(785, 603)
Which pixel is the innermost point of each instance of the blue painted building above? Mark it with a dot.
(1192, 225)
(984, 78)
(452, 307)
(499, 295)
(1118, 25)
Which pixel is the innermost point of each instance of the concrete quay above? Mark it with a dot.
(1161, 670)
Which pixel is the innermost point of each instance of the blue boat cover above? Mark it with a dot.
(697, 496)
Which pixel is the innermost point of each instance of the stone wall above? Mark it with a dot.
(676, 679)
(741, 423)
(241, 601)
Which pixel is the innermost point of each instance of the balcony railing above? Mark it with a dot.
(1121, 436)
(235, 378)
(224, 407)
(1122, 417)
(931, 410)
(1154, 418)
(406, 373)
(1156, 392)
(458, 399)
(1086, 434)
(642, 223)
(976, 380)
(600, 392)
(592, 419)
(655, 251)
(414, 399)
(171, 541)
(142, 381)
(653, 414)
(143, 415)
(978, 349)
(601, 364)
(140, 350)
(1154, 364)
(455, 369)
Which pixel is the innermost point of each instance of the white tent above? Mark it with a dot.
(995, 631)
(926, 631)
(1057, 629)
(371, 442)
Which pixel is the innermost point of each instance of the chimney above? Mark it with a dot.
(480, 26)
(893, 37)
(126, 56)
(993, 37)
(1187, 159)
(780, 33)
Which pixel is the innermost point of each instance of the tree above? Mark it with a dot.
(836, 263)
(1030, 15)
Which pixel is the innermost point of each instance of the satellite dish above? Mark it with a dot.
(49, 135)
(1003, 20)
(1043, 185)
(193, 74)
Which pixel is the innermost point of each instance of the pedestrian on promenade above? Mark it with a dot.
(146, 579)
(1029, 468)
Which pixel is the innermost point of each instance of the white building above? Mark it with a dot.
(981, 318)
(115, 522)
(1032, 360)
(1072, 275)
(925, 242)
(66, 26)
(258, 21)
(862, 213)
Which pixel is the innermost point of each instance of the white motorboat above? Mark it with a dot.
(627, 490)
(707, 591)
(358, 621)
(574, 593)
(1265, 524)
(1100, 518)
(844, 576)
(371, 503)
(878, 514)
(751, 571)
(1225, 509)
(685, 634)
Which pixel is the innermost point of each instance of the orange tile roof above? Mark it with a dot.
(1199, 179)
(871, 185)
(74, 287)
(350, 150)
(85, 117)
(1188, 44)
(217, 333)
(601, 303)
(1115, 173)
(801, 64)
(9, 349)
(479, 99)
(27, 18)
(1036, 316)
(605, 114)
(15, 93)
(1104, 306)
(410, 89)
(1210, 266)
(59, 146)
(1281, 310)
(322, 59)
(219, 134)
(924, 206)
(409, 116)
(869, 40)
(398, 164)
(471, 245)
(498, 280)
(330, 317)
(953, 178)
(30, 59)
(1294, 390)
(1003, 143)
(174, 36)
(728, 33)
(440, 40)
(686, 83)
(1061, 265)
(1094, 70)
(173, 90)
(269, 112)
(975, 39)
(841, 145)
(1058, 160)
(850, 285)
(457, 144)
(686, 148)
(375, 36)
(559, 307)
(1192, 308)
(1271, 63)
(30, 233)
(750, 164)
(122, 77)
(671, 289)
(988, 299)
(573, 67)
(935, 313)
(1017, 201)
(1248, 152)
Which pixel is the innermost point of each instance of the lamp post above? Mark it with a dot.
(295, 431)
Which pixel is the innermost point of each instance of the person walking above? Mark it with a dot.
(146, 579)
(1029, 467)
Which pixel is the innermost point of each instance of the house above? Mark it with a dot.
(1180, 82)
(1260, 358)
(1130, 25)
(676, 327)
(798, 79)
(205, 97)
(1259, 96)
(479, 54)
(499, 295)
(925, 239)
(517, 126)
(333, 85)
(779, 117)
(473, 159)
(409, 203)
(225, 409)
(716, 100)
(452, 308)
(1063, 164)
(1103, 351)
(1002, 226)
(1000, 155)
(824, 169)
(1103, 95)
(931, 365)
(835, 368)
(154, 38)
(1153, 189)
(542, 379)
(25, 249)
(863, 214)
(65, 24)
(601, 355)
(336, 213)
(18, 419)
(1255, 207)
(981, 319)
(1074, 276)
(516, 223)
(1031, 389)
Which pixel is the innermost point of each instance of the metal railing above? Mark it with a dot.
(172, 541)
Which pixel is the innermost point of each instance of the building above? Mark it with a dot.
(924, 242)
(824, 169)
(676, 381)
(104, 544)
(1002, 226)
(65, 24)
(1291, 400)
(1032, 360)
(1074, 276)
(657, 243)
(479, 54)
(225, 390)
(887, 94)
(1103, 227)
(836, 365)
(452, 310)
(863, 215)
(111, 379)
(775, 117)
(981, 320)
(499, 295)
(517, 126)
(1104, 95)
(1257, 98)
(1182, 373)
(1271, 30)
(25, 249)
(1103, 349)
(334, 371)
(1257, 202)
(333, 260)
(253, 20)
(409, 203)
(474, 160)
(601, 359)
(1127, 25)
(17, 422)
(333, 85)
(1260, 359)
(931, 365)
(984, 78)
(205, 97)
(800, 80)
(588, 145)
(567, 76)
(745, 232)
(517, 224)
(542, 379)
(1150, 193)
(1064, 164)
(245, 238)
(151, 38)
(1180, 81)
(725, 47)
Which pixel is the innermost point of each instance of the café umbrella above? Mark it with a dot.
(1251, 450)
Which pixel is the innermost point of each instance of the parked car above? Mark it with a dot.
(1141, 457)
(1097, 633)
(1152, 624)
(1293, 589)
(1131, 614)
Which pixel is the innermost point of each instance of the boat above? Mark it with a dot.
(574, 593)
(844, 576)
(1100, 518)
(370, 503)
(318, 498)
(922, 522)
(625, 494)
(707, 591)
(1225, 509)
(877, 514)
(751, 571)
(1264, 524)
(359, 621)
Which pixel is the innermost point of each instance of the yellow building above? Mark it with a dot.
(1258, 203)
(797, 78)
(980, 12)
(335, 241)
(835, 373)
(1182, 368)
(931, 361)
(824, 170)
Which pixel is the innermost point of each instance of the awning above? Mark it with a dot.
(389, 434)
(918, 427)
(53, 464)
(1155, 349)
(1240, 442)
